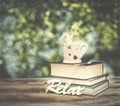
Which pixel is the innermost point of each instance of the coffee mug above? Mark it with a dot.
(73, 52)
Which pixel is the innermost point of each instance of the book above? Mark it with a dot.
(90, 81)
(96, 88)
(68, 88)
(80, 71)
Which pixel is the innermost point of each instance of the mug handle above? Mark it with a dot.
(83, 49)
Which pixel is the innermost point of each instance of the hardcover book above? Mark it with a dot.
(95, 89)
(57, 86)
(90, 81)
(80, 71)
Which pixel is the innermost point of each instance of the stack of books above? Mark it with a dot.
(89, 76)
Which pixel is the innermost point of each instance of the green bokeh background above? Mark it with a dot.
(30, 32)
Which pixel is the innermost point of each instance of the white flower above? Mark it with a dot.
(72, 35)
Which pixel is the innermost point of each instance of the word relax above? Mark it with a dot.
(56, 86)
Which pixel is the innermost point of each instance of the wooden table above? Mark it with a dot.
(31, 92)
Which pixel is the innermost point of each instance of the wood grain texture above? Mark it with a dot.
(31, 92)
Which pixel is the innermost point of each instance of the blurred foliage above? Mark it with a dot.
(30, 30)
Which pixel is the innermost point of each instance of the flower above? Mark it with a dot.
(71, 35)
